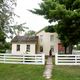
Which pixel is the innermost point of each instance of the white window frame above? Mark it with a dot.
(52, 38)
(41, 38)
(40, 48)
(18, 47)
(28, 50)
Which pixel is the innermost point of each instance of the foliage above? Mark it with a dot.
(4, 46)
(6, 13)
(50, 29)
(77, 47)
(2, 36)
(67, 14)
(61, 37)
(6, 18)
(63, 41)
(19, 27)
(2, 51)
(30, 33)
(8, 45)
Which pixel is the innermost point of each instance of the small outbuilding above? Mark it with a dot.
(23, 44)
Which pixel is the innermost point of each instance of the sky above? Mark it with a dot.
(33, 21)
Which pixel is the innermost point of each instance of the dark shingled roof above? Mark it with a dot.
(23, 39)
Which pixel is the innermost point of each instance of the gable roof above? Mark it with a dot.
(23, 39)
(41, 30)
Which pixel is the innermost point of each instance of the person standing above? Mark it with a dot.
(50, 52)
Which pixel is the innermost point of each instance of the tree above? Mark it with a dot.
(30, 33)
(6, 14)
(63, 41)
(6, 18)
(2, 36)
(60, 36)
(18, 27)
(6, 45)
(67, 14)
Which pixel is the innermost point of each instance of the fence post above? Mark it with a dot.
(75, 60)
(56, 58)
(35, 59)
(4, 58)
(43, 58)
(23, 59)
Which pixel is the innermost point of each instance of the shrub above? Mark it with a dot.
(2, 51)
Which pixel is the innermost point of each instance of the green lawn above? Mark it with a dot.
(65, 72)
(35, 72)
(21, 72)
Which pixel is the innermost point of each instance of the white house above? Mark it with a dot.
(41, 43)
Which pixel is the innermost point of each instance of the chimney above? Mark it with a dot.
(17, 33)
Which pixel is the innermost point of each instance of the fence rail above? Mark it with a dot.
(61, 59)
(23, 58)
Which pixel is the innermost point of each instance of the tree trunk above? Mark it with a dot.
(65, 49)
(70, 47)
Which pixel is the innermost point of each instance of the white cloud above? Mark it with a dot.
(34, 22)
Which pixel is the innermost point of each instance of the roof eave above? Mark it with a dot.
(40, 30)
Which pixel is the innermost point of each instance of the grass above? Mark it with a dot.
(65, 72)
(35, 72)
(21, 72)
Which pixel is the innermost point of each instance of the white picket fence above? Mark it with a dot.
(67, 59)
(38, 59)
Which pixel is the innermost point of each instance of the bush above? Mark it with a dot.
(2, 51)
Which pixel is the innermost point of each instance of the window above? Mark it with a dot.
(18, 47)
(61, 47)
(41, 48)
(41, 37)
(52, 38)
(52, 48)
(28, 48)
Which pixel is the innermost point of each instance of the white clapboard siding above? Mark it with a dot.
(38, 59)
